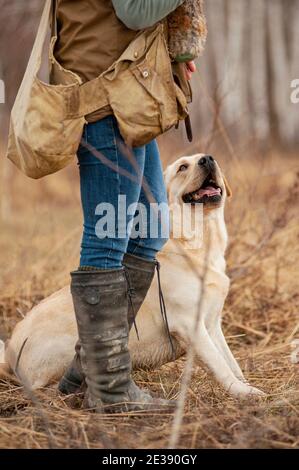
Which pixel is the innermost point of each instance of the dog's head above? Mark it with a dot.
(197, 180)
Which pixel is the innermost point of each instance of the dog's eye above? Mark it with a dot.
(183, 168)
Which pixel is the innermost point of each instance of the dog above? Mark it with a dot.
(195, 287)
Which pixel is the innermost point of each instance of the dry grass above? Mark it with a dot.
(39, 244)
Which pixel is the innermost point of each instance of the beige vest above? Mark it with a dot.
(90, 39)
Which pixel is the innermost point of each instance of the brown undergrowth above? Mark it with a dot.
(39, 243)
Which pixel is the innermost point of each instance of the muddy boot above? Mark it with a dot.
(139, 273)
(73, 378)
(101, 308)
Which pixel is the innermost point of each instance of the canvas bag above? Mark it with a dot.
(47, 120)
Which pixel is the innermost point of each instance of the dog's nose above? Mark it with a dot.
(207, 162)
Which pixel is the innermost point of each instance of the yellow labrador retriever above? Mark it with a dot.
(194, 283)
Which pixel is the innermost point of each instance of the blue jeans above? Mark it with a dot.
(109, 169)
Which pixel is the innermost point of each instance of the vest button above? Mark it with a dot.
(145, 73)
(135, 54)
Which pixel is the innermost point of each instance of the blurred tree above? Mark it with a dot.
(252, 56)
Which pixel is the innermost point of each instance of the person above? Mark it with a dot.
(92, 34)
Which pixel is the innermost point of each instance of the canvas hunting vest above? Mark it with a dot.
(91, 38)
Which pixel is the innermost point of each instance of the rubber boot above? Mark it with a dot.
(101, 308)
(139, 274)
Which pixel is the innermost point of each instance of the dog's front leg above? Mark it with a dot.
(215, 361)
(213, 320)
(209, 354)
(218, 338)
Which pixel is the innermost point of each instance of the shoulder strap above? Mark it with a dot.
(36, 54)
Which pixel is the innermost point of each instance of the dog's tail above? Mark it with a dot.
(5, 372)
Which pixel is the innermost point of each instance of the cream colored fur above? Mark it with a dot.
(195, 287)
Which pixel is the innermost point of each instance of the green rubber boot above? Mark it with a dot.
(101, 308)
(139, 274)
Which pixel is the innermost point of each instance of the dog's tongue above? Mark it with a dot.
(208, 191)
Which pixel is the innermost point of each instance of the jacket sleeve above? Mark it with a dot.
(141, 14)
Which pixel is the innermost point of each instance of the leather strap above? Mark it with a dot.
(54, 18)
(188, 127)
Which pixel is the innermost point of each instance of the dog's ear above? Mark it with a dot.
(229, 192)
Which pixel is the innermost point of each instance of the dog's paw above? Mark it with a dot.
(256, 392)
(243, 390)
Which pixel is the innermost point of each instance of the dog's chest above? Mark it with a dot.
(184, 283)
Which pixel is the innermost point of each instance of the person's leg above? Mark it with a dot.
(140, 259)
(154, 232)
(102, 183)
(99, 286)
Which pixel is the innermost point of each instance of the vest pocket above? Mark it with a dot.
(136, 111)
(159, 91)
(142, 94)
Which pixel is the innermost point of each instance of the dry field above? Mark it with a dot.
(39, 243)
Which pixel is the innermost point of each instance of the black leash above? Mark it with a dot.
(163, 309)
(131, 294)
